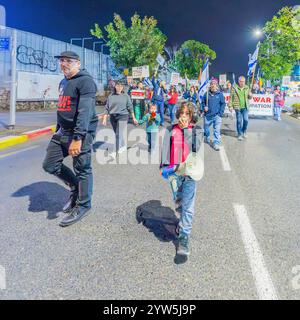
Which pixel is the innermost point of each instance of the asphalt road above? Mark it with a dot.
(245, 238)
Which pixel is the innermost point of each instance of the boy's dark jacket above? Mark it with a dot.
(193, 138)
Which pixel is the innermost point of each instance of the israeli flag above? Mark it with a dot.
(147, 82)
(253, 61)
(204, 81)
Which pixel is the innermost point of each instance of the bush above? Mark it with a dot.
(296, 107)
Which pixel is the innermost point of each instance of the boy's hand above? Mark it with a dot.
(183, 123)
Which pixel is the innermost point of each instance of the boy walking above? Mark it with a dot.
(152, 119)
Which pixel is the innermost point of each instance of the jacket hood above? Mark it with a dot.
(82, 73)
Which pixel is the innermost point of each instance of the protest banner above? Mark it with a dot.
(160, 60)
(140, 72)
(259, 105)
(138, 94)
(222, 79)
(175, 78)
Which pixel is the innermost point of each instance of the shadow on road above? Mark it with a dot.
(228, 132)
(159, 220)
(44, 196)
(162, 222)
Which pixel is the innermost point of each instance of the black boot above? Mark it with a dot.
(76, 214)
(71, 202)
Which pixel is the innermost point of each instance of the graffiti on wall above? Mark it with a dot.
(29, 56)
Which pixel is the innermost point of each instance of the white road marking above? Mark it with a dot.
(16, 152)
(224, 159)
(263, 281)
(2, 278)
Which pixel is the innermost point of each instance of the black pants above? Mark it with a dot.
(119, 123)
(82, 181)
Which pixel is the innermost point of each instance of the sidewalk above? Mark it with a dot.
(29, 125)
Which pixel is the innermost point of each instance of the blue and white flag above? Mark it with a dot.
(253, 61)
(147, 82)
(204, 81)
(233, 79)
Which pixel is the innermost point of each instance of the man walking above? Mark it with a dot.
(76, 128)
(213, 108)
(158, 98)
(239, 101)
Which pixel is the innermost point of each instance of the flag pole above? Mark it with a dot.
(252, 81)
(207, 94)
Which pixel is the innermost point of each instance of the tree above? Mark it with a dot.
(280, 50)
(191, 57)
(136, 45)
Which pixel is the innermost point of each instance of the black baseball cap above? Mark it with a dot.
(68, 54)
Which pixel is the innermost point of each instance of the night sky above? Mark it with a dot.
(226, 26)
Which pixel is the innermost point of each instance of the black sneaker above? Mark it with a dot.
(71, 203)
(74, 216)
(183, 246)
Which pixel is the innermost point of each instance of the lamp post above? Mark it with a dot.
(101, 62)
(82, 47)
(258, 33)
(100, 54)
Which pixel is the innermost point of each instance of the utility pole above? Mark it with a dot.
(13, 86)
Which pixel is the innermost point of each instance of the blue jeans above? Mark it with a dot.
(277, 113)
(152, 140)
(187, 193)
(161, 110)
(216, 121)
(242, 120)
(172, 112)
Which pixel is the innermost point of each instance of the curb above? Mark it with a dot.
(14, 140)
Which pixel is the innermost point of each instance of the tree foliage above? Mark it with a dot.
(133, 46)
(191, 57)
(280, 50)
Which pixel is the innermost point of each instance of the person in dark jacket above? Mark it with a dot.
(159, 91)
(213, 112)
(191, 95)
(76, 127)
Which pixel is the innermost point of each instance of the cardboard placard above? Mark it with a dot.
(140, 72)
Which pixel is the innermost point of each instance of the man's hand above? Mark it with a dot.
(75, 148)
(230, 109)
(206, 109)
(250, 95)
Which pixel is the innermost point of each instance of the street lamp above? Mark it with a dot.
(101, 62)
(100, 54)
(259, 32)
